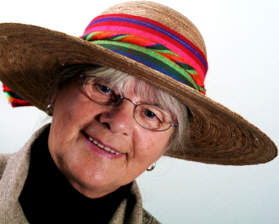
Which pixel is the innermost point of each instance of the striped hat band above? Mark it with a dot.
(152, 44)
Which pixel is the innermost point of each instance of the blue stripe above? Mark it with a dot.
(154, 27)
(147, 63)
(150, 63)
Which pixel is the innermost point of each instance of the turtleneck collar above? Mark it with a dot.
(47, 196)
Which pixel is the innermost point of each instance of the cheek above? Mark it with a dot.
(151, 145)
(65, 106)
(66, 120)
(70, 110)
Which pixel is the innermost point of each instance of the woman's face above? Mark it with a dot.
(81, 128)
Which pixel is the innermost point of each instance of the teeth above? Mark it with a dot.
(102, 146)
(90, 139)
(108, 149)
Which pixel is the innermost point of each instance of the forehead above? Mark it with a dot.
(139, 89)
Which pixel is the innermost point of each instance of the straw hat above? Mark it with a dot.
(147, 40)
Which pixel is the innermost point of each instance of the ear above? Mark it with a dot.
(53, 98)
(50, 106)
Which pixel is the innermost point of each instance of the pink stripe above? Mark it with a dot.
(156, 38)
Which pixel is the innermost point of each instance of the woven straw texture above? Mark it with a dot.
(31, 57)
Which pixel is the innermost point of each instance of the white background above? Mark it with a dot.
(242, 44)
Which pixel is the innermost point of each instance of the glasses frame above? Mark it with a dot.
(118, 102)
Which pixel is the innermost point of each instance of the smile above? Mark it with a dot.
(101, 146)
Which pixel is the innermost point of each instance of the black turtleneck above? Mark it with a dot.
(47, 196)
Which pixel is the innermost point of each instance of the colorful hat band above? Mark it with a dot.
(14, 99)
(152, 44)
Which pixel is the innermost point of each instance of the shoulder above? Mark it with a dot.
(148, 218)
(3, 161)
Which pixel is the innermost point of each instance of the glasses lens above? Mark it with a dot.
(97, 91)
(151, 117)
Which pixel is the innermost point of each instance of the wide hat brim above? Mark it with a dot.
(31, 58)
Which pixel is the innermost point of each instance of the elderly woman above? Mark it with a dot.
(126, 93)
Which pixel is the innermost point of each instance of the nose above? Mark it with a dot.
(119, 119)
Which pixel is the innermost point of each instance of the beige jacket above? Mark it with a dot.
(13, 173)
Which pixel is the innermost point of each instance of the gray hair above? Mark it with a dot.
(121, 81)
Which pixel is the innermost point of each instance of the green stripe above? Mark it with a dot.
(119, 37)
(188, 68)
(90, 35)
(165, 51)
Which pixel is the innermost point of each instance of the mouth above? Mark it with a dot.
(101, 146)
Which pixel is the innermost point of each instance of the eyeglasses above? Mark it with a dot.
(147, 116)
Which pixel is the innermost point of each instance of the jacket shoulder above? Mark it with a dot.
(3, 161)
(148, 218)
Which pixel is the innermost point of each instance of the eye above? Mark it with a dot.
(103, 89)
(149, 113)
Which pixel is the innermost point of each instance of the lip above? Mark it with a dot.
(102, 152)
